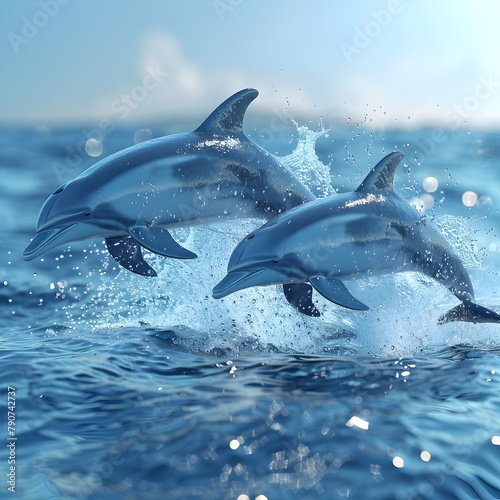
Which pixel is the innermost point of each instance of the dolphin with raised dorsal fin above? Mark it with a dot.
(134, 196)
(371, 230)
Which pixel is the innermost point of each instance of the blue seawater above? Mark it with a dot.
(135, 388)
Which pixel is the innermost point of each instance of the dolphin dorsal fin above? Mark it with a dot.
(381, 177)
(228, 117)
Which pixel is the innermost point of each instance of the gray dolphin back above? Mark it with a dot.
(371, 230)
(133, 197)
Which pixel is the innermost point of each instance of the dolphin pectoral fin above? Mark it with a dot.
(335, 291)
(159, 241)
(299, 295)
(470, 312)
(127, 253)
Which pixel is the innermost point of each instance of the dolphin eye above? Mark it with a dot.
(88, 213)
(275, 261)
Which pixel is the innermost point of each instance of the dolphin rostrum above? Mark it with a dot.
(366, 232)
(134, 196)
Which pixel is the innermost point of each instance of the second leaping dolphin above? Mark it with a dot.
(134, 196)
(366, 232)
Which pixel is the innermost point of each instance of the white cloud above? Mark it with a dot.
(187, 88)
(161, 49)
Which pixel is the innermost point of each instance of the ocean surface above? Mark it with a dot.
(128, 387)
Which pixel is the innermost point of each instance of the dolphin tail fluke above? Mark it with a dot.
(299, 295)
(470, 312)
(128, 254)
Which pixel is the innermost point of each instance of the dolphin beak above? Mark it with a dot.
(47, 239)
(238, 280)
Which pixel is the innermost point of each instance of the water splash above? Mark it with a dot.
(180, 300)
(305, 164)
(402, 320)
(459, 234)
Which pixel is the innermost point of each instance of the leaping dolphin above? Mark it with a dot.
(366, 232)
(134, 196)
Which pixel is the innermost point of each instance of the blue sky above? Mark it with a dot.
(389, 62)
